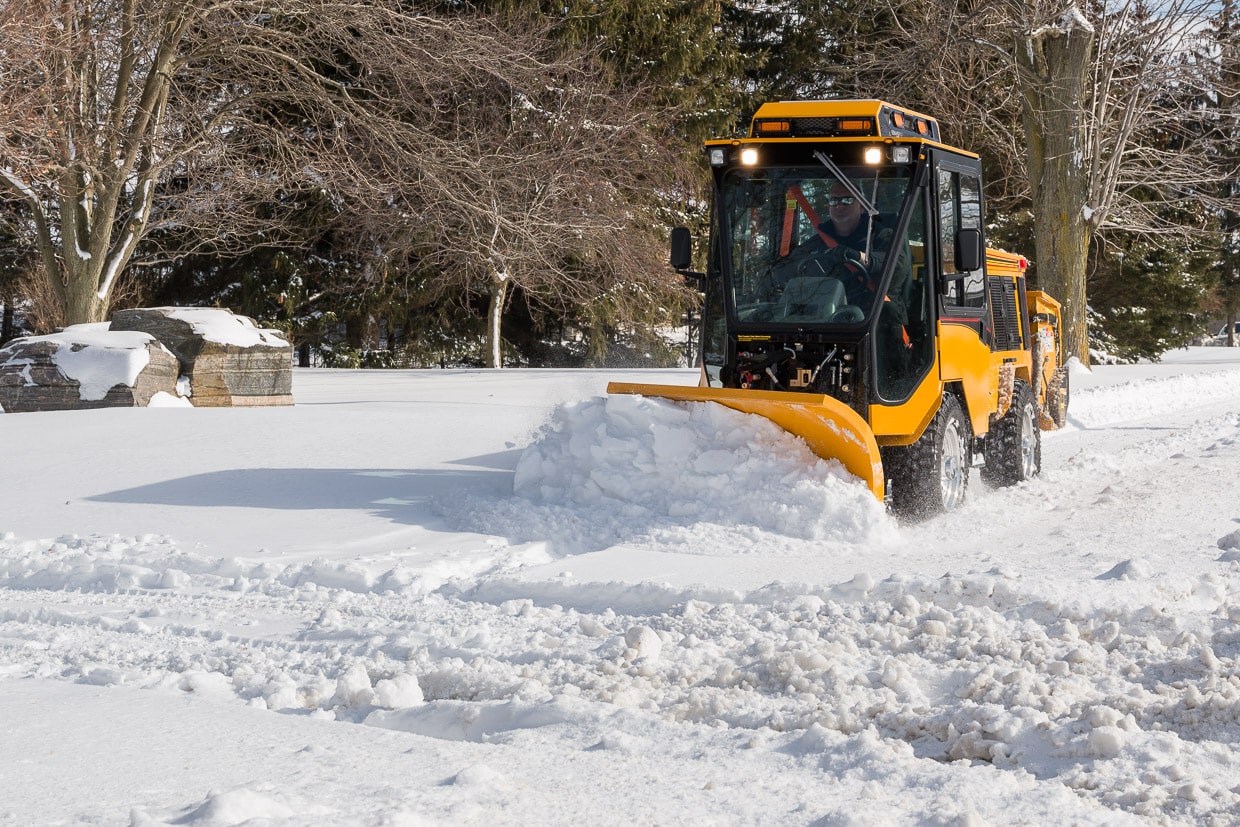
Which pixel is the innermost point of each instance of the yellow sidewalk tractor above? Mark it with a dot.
(851, 299)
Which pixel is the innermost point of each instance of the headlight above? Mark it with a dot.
(749, 156)
(873, 155)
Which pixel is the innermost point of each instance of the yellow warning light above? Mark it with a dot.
(769, 128)
(862, 126)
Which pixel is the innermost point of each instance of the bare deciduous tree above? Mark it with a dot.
(104, 109)
(1093, 85)
(472, 145)
(527, 169)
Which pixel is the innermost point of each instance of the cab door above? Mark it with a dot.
(964, 326)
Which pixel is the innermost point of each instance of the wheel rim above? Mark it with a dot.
(952, 468)
(1028, 444)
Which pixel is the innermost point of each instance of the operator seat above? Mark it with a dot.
(810, 299)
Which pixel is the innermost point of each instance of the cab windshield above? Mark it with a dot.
(802, 248)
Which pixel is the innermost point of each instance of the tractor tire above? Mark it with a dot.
(1013, 448)
(931, 476)
(1057, 396)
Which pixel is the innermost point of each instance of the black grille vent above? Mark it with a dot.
(832, 127)
(1005, 314)
(815, 127)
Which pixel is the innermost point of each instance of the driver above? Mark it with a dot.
(844, 222)
(849, 226)
(845, 256)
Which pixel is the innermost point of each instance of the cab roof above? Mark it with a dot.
(840, 119)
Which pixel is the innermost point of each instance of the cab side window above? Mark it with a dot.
(960, 207)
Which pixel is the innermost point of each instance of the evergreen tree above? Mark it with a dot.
(1147, 296)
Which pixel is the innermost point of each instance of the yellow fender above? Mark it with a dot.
(830, 428)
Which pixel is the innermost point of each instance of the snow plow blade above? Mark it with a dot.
(830, 428)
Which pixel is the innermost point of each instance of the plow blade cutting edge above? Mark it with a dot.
(830, 428)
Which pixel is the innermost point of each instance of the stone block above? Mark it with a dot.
(83, 367)
(228, 359)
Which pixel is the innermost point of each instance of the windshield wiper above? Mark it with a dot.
(866, 204)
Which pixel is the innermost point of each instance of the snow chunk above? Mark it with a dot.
(1127, 570)
(353, 687)
(167, 400)
(644, 642)
(398, 692)
(238, 807)
(478, 775)
(1106, 742)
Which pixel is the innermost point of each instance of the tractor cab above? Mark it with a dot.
(818, 278)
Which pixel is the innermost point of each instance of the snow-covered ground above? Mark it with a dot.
(340, 613)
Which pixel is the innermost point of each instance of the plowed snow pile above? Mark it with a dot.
(640, 470)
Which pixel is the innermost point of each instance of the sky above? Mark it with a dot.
(502, 597)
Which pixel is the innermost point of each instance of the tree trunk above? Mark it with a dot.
(495, 314)
(81, 300)
(7, 325)
(1054, 64)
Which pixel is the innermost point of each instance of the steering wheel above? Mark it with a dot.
(822, 264)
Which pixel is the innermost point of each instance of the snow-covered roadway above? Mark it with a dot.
(338, 613)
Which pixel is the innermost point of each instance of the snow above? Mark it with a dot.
(1071, 19)
(217, 325)
(340, 612)
(116, 259)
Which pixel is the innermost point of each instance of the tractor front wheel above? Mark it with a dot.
(931, 476)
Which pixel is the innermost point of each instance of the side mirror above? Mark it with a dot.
(682, 248)
(968, 250)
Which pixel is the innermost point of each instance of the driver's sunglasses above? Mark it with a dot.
(836, 200)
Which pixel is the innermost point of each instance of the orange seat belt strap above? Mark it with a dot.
(796, 193)
(790, 217)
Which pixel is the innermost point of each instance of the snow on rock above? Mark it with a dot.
(216, 324)
(99, 358)
(226, 359)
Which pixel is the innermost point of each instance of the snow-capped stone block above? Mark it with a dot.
(84, 366)
(228, 359)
